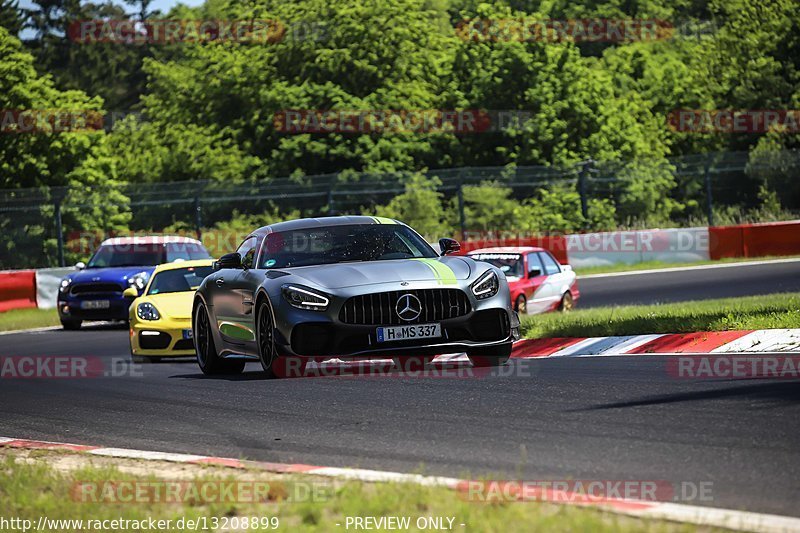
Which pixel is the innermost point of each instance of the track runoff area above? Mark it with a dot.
(696, 428)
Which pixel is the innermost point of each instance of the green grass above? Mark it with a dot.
(649, 265)
(33, 490)
(754, 312)
(28, 318)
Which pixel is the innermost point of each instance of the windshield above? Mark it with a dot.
(339, 244)
(179, 280)
(187, 251)
(118, 255)
(510, 264)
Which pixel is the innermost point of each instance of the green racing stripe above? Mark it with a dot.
(444, 274)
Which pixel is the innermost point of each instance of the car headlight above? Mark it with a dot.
(65, 283)
(147, 311)
(139, 281)
(304, 298)
(486, 286)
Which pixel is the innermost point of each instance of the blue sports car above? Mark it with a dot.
(95, 290)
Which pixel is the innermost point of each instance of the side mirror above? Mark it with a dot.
(449, 246)
(80, 265)
(532, 273)
(233, 260)
(130, 293)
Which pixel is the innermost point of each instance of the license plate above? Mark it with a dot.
(187, 334)
(95, 304)
(404, 333)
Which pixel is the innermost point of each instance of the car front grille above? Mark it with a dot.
(184, 344)
(96, 288)
(380, 308)
(159, 341)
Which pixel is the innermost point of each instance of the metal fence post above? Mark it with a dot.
(59, 234)
(709, 197)
(586, 169)
(198, 218)
(462, 218)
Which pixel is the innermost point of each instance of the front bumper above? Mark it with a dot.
(161, 340)
(483, 328)
(70, 307)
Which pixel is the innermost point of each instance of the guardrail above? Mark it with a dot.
(17, 289)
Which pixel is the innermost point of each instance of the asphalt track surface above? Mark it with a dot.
(697, 284)
(606, 418)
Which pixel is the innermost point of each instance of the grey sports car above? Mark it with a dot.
(348, 287)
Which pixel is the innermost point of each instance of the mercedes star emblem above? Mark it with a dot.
(408, 307)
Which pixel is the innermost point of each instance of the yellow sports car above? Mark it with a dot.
(161, 319)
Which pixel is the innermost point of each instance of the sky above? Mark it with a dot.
(162, 5)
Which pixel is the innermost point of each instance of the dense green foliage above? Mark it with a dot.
(205, 111)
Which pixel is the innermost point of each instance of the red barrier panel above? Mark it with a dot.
(17, 289)
(725, 241)
(779, 238)
(755, 240)
(556, 245)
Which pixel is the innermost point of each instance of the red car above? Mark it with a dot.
(538, 282)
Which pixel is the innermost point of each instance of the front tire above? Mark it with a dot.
(521, 305)
(208, 359)
(71, 325)
(567, 303)
(274, 364)
(488, 357)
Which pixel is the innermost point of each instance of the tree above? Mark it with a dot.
(420, 206)
(11, 17)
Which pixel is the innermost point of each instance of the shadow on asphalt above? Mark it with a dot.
(105, 326)
(444, 370)
(245, 376)
(784, 392)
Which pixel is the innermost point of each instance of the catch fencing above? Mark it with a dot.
(56, 226)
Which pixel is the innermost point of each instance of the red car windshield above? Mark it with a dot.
(119, 255)
(510, 264)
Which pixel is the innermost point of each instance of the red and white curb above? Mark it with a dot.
(733, 342)
(690, 514)
(738, 341)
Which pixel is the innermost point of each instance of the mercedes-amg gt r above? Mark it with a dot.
(348, 287)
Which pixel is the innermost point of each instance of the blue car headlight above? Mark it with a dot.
(65, 284)
(147, 311)
(139, 281)
(305, 298)
(486, 286)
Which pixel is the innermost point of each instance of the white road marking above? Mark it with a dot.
(152, 456)
(725, 518)
(690, 268)
(362, 474)
(45, 328)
